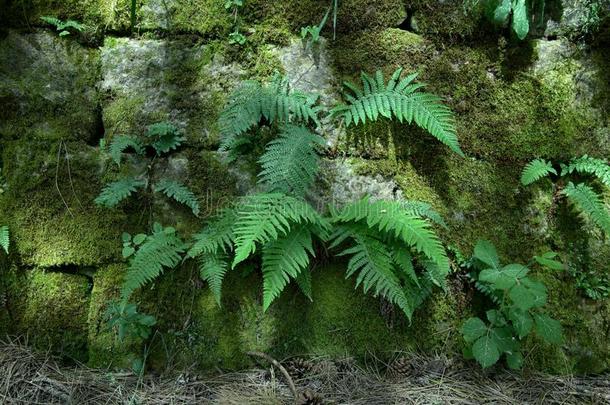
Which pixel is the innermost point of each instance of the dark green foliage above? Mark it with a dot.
(535, 170)
(63, 27)
(400, 99)
(519, 300)
(516, 12)
(112, 194)
(589, 202)
(291, 161)
(180, 193)
(587, 165)
(124, 317)
(275, 102)
(4, 238)
(165, 137)
(120, 143)
(383, 239)
(156, 252)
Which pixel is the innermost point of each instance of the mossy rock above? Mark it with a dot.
(51, 310)
(48, 92)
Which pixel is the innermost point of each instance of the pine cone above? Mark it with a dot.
(309, 397)
(400, 368)
(299, 367)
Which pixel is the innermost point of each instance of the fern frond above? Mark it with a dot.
(424, 210)
(4, 238)
(212, 269)
(284, 259)
(401, 100)
(122, 142)
(262, 218)
(160, 250)
(165, 137)
(251, 102)
(303, 280)
(114, 193)
(180, 193)
(216, 237)
(290, 162)
(535, 170)
(392, 218)
(589, 203)
(588, 165)
(372, 262)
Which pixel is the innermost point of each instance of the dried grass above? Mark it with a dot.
(28, 377)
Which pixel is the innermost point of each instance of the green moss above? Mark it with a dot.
(445, 19)
(51, 309)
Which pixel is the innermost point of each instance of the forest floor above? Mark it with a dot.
(28, 377)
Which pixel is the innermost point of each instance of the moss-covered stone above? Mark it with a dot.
(47, 91)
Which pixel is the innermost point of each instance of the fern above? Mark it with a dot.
(216, 237)
(588, 165)
(122, 142)
(165, 137)
(398, 99)
(115, 192)
(263, 218)
(291, 162)
(535, 170)
(180, 193)
(160, 250)
(283, 259)
(212, 269)
(390, 217)
(4, 238)
(425, 210)
(590, 203)
(251, 102)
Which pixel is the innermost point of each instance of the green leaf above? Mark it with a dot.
(485, 351)
(547, 260)
(514, 360)
(522, 297)
(128, 251)
(520, 19)
(4, 238)
(502, 11)
(522, 321)
(537, 289)
(486, 253)
(548, 328)
(495, 317)
(139, 238)
(473, 329)
(510, 275)
(126, 237)
(535, 170)
(504, 339)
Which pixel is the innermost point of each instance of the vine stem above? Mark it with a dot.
(276, 364)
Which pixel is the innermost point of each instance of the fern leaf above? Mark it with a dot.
(290, 162)
(216, 237)
(392, 218)
(115, 192)
(180, 193)
(284, 259)
(535, 170)
(122, 142)
(588, 165)
(251, 102)
(589, 203)
(373, 264)
(166, 137)
(402, 101)
(424, 210)
(212, 269)
(4, 238)
(160, 250)
(303, 280)
(263, 218)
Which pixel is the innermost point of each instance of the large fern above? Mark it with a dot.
(4, 238)
(180, 193)
(122, 142)
(590, 203)
(588, 165)
(252, 101)
(535, 170)
(162, 249)
(216, 237)
(290, 162)
(399, 99)
(114, 193)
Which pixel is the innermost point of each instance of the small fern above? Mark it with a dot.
(162, 249)
(120, 143)
(535, 170)
(398, 99)
(4, 238)
(251, 102)
(165, 137)
(588, 165)
(290, 162)
(590, 203)
(180, 193)
(112, 194)
(212, 269)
